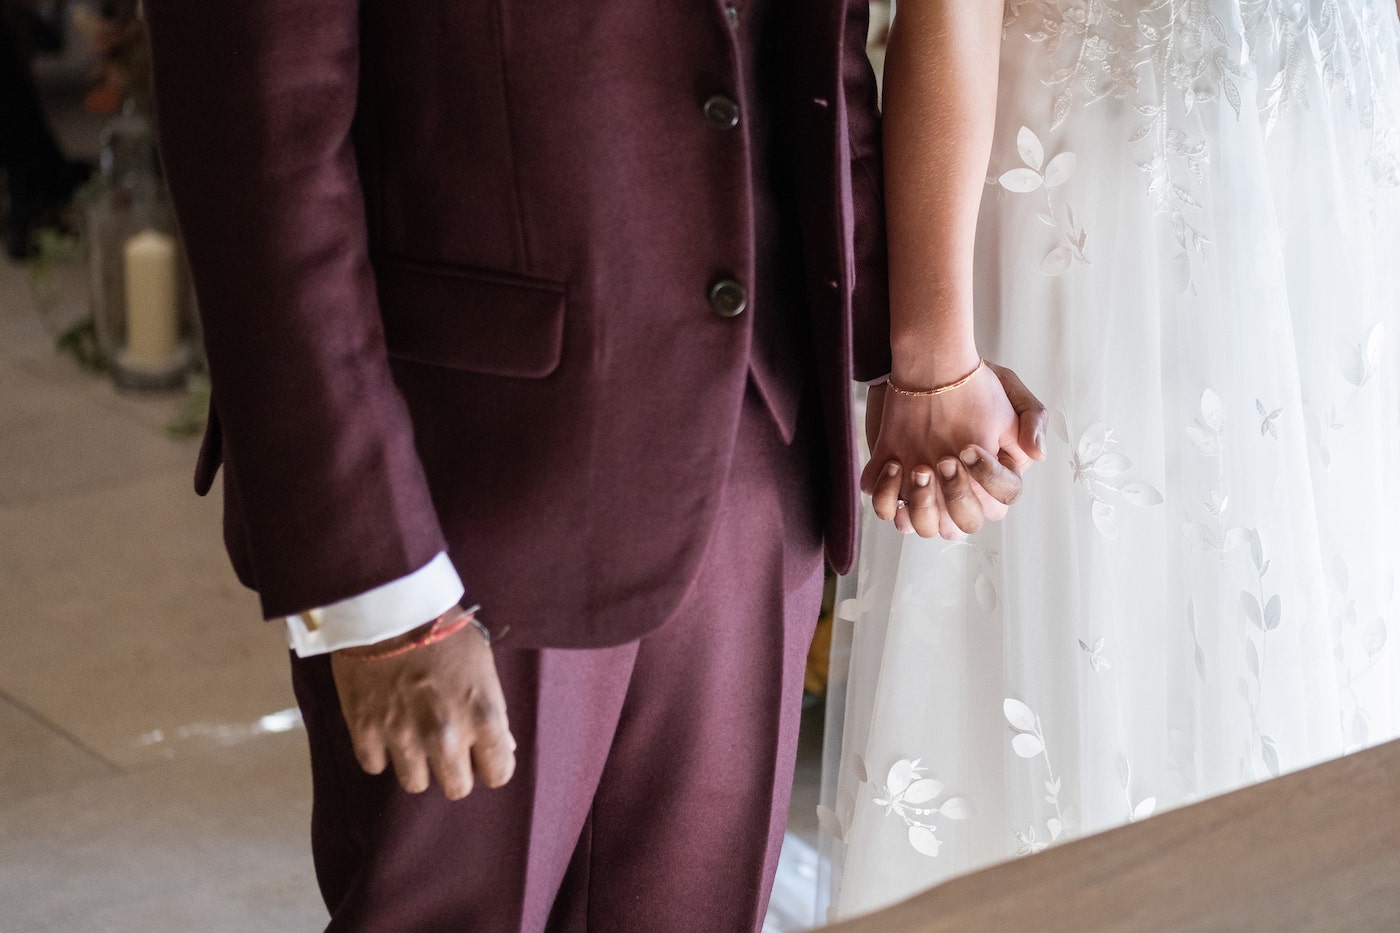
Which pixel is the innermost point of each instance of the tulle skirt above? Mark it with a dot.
(1189, 247)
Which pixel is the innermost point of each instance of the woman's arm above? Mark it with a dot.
(940, 108)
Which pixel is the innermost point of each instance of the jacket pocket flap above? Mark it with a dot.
(485, 322)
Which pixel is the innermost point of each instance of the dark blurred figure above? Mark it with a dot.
(41, 179)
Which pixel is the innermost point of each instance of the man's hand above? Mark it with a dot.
(982, 436)
(437, 707)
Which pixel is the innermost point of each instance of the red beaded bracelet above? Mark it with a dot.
(436, 632)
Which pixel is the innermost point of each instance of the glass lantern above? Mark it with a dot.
(138, 278)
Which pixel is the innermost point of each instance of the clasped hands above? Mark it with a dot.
(941, 465)
(945, 464)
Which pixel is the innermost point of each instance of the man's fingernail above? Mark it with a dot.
(969, 457)
(921, 478)
(948, 468)
(892, 469)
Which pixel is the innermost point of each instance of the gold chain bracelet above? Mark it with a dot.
(938, 390)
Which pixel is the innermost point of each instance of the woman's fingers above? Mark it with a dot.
(885, 496)
(923, 506)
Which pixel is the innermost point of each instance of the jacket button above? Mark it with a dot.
(728, 298)
(722, 112)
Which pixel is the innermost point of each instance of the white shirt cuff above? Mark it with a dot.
(386, 611)
(876, 382)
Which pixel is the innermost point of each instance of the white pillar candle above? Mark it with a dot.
(152, 300)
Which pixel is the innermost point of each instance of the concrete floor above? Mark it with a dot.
(151, 776)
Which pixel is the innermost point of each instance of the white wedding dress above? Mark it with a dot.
(1189, 248)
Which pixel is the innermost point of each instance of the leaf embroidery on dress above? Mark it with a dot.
(1097, 662)
(1101, 470)
(1269, 426)
(1036, 175)
(1029, 742)
(1360, 364)
(1359, 648)
(1263, 614)
(1207, 435)
(1169, 57)
(1143, 808)
(908, 794)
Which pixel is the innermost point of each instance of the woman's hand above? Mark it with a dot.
(976, 440)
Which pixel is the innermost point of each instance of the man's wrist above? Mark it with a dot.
(419, 636)
(390, 644)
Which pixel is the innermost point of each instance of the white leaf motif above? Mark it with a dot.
(1060, 169)
(923, 791)
(986, 592)
(1019, 715)
(1236, 537)
(1251, 608)
(1141, 494)
(827, 819)
(1028, 145)
(1212, 410)
(1375, 340)
(1105, 519)
(958, 808)
(901, 776)
(1056, 828)
(862, 774)
(1145, 808)
(1270, 753)
(1021, 180)
(849, 610)
(924, 841)
(1092, 443)
(1203, 440)
(1057, 261)
(1027, 745)
(1112, 464)
(1200, 537)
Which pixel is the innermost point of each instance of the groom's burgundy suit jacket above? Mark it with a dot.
(456, 265)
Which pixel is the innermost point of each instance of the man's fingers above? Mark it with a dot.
(922, 502)
(1031, 415)
(450, 759)
(370, 752)
(1031, 433)
(493, 751)
(410, 764)
(958, 497)
(885, 497)
(998, 478)
(494, 760)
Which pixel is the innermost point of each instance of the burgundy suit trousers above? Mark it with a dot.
(653, 777)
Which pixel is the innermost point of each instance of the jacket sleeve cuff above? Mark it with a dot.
(384, 612)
